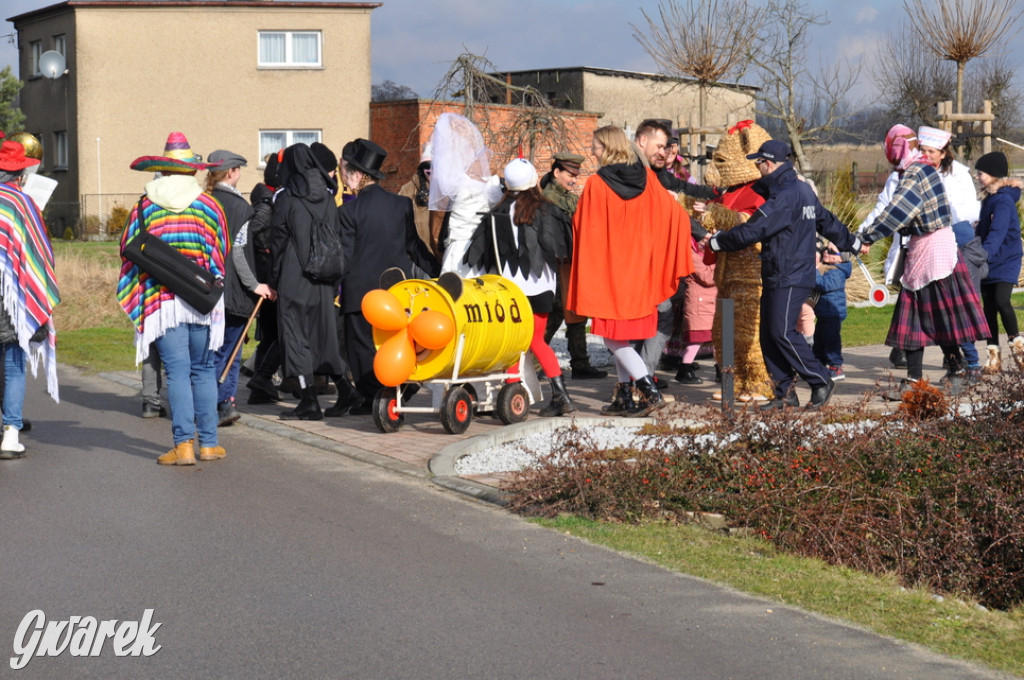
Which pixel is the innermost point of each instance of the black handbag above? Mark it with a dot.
(195, 285)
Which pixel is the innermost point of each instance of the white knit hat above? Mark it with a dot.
(933, 137)
(520, 175)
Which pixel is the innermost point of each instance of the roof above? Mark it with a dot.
(623, 74)
(191, 4)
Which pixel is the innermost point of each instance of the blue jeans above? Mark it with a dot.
(14, 388)
(226, 390)
(191, 383)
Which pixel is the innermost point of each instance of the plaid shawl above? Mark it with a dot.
(919, 206)
(29, 283)
(199, 231)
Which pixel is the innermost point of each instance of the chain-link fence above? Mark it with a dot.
(99, 217)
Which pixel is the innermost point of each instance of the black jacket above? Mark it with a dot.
(786, 226)
(378, 232)
(238, 302)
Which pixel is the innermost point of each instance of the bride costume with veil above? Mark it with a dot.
(460, 183)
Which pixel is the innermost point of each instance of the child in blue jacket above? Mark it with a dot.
(830, 310)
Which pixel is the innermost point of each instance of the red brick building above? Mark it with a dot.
(403, 127)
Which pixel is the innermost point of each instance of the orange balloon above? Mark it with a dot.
(395, 360)
(384, 311)
(432, 329)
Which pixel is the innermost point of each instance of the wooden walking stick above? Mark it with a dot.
(238, 343)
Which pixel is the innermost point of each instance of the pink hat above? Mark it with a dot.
(178, 158)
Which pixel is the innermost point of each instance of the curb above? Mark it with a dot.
(316, 441)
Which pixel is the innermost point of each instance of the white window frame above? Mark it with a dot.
(35, 52)
(60, 149)
(290, 137)
(60, 44)
(289, 58)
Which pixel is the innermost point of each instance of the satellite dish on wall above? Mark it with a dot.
(52, 64)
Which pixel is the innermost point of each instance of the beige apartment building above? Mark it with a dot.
(625, 98)
(250, 76)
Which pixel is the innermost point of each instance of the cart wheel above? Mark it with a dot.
(513, 403)
(385, 415)
(456, 410)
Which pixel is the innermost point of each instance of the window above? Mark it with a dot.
(272, 141)
(60, 145)
(36, 47)
(289, 49)
(60, 44)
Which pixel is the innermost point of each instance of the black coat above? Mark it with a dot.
(378, 232)
(238, 302)
(307, 317)
(545, 241)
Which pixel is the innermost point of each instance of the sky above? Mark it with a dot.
(415, 41)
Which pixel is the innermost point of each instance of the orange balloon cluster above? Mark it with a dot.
(395, 360)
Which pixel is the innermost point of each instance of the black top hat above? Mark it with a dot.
(365, 156)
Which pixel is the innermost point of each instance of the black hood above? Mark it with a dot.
(627, 180)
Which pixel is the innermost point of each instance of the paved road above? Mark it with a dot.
(288, 561)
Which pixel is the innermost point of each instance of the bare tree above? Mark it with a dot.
(700, 39)
(910, 81)
(536, 122)
(809, 105)
(960, 30)
(389, 90)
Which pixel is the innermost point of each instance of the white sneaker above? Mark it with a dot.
(10, 442)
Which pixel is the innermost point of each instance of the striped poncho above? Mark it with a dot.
(29, 286)
(193, 222)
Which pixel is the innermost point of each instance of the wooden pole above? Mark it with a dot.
(239, 342)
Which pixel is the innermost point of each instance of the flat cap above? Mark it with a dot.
(225, 160)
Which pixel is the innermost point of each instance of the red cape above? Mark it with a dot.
(628, 255)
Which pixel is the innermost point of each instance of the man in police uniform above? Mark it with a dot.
(557, 186)
(786, 226)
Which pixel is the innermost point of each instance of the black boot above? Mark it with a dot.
(348, 397)
(622, 400)
(560, 403)
(650, 398)
(262, 390)
(308, 408)
(687, 375)
(579, 360)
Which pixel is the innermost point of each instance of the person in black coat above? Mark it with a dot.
(378, 232)
(307, 322)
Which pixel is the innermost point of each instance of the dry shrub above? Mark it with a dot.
(88, 290)
(939, 500)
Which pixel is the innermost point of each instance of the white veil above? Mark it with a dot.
(459, 160)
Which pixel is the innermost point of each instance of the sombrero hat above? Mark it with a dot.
(178, 157)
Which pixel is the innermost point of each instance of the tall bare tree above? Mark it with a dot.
(961, 30)
(706, 40)
(911, 81)
(809, 105)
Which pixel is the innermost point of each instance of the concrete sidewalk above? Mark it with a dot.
(423, 448)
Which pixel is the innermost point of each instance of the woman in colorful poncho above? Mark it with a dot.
(176, 209)
(29, 294)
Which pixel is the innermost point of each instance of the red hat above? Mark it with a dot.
(13, 158)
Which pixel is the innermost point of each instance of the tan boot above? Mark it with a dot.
(994, 363)
(182, 454)
(212, 452)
